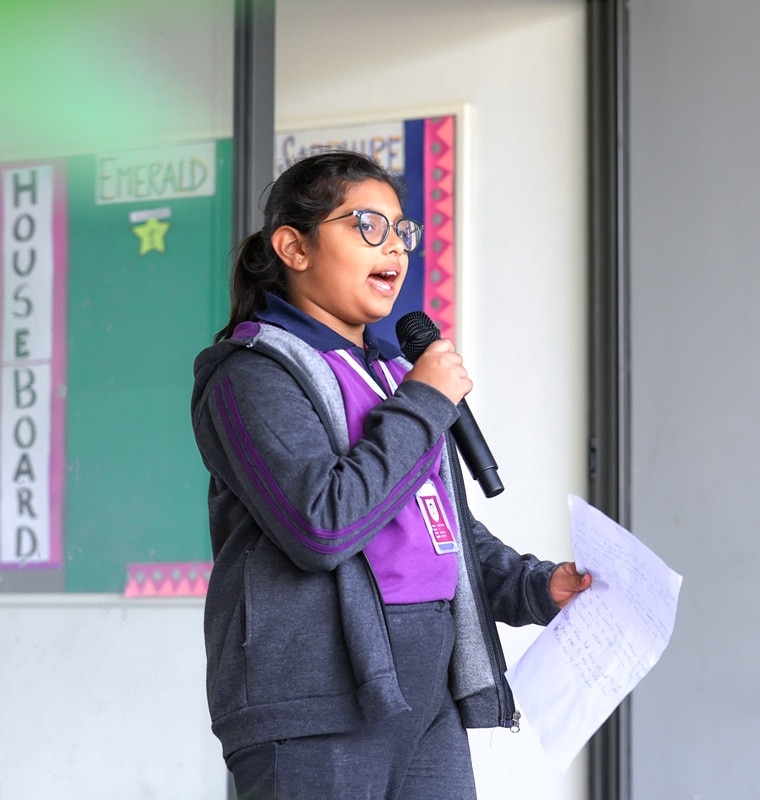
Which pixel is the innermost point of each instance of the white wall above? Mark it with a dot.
(104, 699)
(518, 66)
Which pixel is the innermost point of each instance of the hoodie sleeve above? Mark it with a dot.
(262, 438)
(517, 584)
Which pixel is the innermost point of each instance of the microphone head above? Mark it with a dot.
(415, 332)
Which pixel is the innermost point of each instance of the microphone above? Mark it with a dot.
(416, 332)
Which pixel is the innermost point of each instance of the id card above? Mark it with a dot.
(436, 522)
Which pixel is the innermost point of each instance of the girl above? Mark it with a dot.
(350, 613)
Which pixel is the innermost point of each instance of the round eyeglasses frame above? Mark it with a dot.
(413, 228)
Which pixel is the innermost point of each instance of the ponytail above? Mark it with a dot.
(256, 271)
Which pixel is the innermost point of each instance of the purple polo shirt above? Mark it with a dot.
(402, 555)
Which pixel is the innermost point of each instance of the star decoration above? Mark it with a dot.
(151, 234)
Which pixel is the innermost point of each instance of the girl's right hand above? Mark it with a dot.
(441, 367)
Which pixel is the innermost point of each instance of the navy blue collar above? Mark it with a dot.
(281, 313)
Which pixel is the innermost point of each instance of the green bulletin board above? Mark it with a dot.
(147, 289)
(147, 254)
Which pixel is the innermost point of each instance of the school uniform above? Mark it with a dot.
(350, 613)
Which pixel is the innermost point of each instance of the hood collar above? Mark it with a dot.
(281, 313)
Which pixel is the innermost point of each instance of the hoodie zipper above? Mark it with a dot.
(509, 717)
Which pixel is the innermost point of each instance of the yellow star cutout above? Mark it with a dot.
(151, 235)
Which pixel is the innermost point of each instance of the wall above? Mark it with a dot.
(695, 125)
(519, 68)
(104, 699)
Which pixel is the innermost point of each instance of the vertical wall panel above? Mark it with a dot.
(695, 250)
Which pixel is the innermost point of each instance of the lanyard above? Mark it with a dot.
(366, 377)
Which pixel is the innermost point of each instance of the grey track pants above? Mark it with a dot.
(418, 755)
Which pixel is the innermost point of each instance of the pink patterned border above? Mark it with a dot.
(169, 579)
(439, 187)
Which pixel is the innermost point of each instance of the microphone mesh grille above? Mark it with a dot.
(415, 332)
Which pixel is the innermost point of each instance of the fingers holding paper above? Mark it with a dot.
(566, 582)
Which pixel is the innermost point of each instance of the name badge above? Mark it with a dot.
(436, 522)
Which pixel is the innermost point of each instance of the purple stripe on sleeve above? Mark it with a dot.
(280, 506)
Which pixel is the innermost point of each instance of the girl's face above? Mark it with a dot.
(342, 281)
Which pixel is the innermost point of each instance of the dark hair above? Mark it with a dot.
(301, 197)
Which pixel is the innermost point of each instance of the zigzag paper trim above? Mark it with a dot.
(438, 181)
(174, 579)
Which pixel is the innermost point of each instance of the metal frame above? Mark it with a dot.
(609, 337)
(253, 115)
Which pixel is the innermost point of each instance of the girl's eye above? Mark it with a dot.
(369, 223)
(373, 227)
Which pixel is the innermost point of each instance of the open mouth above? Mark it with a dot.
(385, 280)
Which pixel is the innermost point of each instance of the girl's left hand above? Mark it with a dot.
(566, 582)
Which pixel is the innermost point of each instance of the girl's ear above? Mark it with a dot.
(288, 243)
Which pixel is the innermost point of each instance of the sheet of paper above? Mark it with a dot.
(601, 644)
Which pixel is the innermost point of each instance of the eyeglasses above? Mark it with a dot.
(375, 227)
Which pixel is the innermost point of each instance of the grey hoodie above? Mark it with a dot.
(295, 631)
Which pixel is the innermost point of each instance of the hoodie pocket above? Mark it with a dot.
(295, 647)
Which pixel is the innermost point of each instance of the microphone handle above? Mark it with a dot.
(416, 332)
(475, 452)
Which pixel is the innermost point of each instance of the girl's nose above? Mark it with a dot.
(394, 243)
